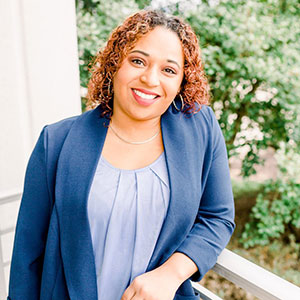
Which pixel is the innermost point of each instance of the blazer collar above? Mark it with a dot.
(75, 172)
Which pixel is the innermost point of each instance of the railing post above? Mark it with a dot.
(2, 276)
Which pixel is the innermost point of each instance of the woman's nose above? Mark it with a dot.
(150, 77)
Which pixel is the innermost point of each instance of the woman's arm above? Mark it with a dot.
(179, 266)
(32, 227)
(214, 224)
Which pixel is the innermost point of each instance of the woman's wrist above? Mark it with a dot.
(178, 267)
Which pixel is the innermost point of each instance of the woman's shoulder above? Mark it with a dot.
(208, 123)
(56, 133)
(205, 113)
(205, 119)
(63, 126)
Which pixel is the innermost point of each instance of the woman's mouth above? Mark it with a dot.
(143, 98)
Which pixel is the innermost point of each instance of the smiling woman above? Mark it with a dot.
(145, 85)
(132, 199)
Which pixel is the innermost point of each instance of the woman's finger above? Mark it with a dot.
(128, 294)
(135, 297)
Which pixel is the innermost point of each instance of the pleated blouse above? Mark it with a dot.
(126, 210)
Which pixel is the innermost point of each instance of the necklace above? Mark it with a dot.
(134, 143)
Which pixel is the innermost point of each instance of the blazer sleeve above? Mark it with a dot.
(32, 227)
(214, 223)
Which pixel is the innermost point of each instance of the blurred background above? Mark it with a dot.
(251, 51)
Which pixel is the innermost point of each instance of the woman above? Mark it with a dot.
(133, 198)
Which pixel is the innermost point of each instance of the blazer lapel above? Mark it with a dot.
(184, 156)
(76, 168)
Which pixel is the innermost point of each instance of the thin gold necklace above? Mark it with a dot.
(133, 143)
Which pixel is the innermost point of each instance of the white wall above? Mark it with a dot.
(39, 84)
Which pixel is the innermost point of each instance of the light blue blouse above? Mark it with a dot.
(126, 210)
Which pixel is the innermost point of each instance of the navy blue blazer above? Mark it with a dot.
(53, 254)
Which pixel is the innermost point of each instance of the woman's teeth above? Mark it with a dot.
(145, 96)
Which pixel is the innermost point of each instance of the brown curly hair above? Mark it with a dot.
(194, 86)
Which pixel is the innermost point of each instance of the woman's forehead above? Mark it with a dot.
(160, 41)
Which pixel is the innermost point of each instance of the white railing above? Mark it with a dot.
(7, 218)
(252, 278)
(245, 274)
(2, 277)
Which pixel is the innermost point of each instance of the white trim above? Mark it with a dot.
(204, 292)
(2, 275)
(254, 279)
(24, 106)
(10, 196)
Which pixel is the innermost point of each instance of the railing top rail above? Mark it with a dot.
(10, 196)
(254, 279)
(205, 293)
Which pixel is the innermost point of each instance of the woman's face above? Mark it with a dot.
(149, 77)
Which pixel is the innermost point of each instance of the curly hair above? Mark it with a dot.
(194, 87)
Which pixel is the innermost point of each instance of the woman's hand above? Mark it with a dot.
(154, 285)
(162, 282)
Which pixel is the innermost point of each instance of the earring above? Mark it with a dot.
(182, 103)
(108, 87)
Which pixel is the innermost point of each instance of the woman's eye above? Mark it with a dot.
(170, 71)
(137, 61)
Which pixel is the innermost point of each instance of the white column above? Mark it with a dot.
(39, 84)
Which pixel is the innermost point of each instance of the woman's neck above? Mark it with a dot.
(135, 130)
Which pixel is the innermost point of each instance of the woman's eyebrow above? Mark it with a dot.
(140, 51)
(147, 54)
(174, 62)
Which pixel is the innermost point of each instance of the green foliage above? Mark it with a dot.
(277, 210)
(245, 187)
(143, 3)
(95, 21)
(251, 51)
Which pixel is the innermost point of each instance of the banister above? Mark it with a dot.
(253, 278)
(204, 292)
(10, 196)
